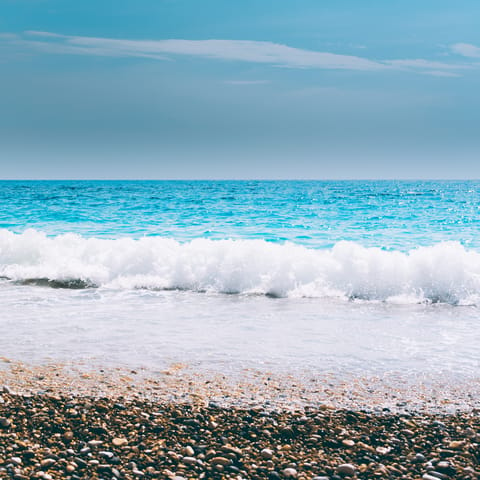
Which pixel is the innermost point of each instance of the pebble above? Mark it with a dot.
(346, 469)
(48, 462)
(456, 444)
(439, 475)
(419, 458)
(290, 473)
(5, 422)
(106, 454)
(119, 442)
(188, 451)
(220, 461)
(95, 443)
(445, 466)
(266, 453)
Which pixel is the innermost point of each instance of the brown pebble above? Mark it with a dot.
(220, 461)
(119, 442)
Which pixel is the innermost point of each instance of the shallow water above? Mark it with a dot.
(219, 332)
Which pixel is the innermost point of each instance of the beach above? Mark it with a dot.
(49, 435)
(58, 421)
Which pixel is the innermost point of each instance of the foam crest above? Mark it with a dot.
(445, 272)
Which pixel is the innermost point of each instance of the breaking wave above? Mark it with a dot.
(445, 272)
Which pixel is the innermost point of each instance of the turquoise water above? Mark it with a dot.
(401, 242)
(316, 214)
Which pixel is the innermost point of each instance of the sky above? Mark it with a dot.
(277, 89)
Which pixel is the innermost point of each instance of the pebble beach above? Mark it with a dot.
(52, 437)
(57, 422)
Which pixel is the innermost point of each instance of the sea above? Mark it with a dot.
(357, 277)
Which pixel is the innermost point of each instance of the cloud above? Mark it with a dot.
(274, 54)
(466, 50)
(440, 73)
(420, 63)
(7, 36)
(247, 82)
(232, 50)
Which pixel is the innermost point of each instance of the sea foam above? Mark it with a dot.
(445, 272)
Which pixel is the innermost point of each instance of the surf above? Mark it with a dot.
(446, 272)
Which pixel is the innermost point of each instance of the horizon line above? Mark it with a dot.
(386, 179)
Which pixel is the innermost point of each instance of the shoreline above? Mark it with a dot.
(46, 436)
(180, 383)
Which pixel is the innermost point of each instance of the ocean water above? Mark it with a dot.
(364, 276)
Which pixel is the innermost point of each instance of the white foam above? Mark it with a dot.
(445, 272)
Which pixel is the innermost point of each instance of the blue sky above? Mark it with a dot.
(239, 89)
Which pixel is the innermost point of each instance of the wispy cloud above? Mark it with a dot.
(466, 50)
(441, 73)
(247, 82)
(424, 64)
(229, 50)
(233, 50)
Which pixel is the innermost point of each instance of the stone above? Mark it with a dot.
(439, 475)
(290, 473)
(456, 444)
(95, 443)
(419, 458)
(5, 422)
(346, 469)
(188, 451)
(266, 453)
(119, 442)
(220, 461)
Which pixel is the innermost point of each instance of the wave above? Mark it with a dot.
(445, 272)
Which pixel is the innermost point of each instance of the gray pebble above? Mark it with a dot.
(266, 453)
(346, 469)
